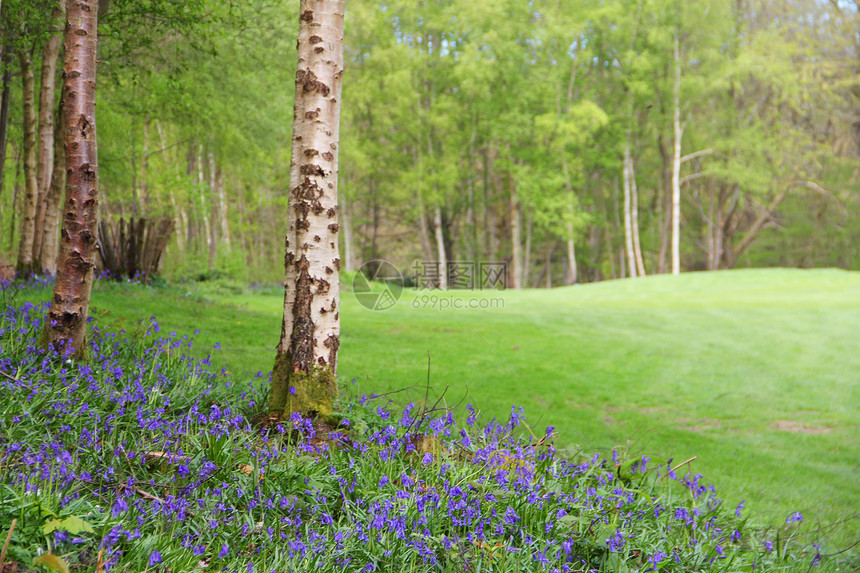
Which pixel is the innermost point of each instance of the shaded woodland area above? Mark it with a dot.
(574, 140)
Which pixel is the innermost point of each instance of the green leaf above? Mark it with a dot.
(52, 525)
(52, 562)
(73, 525)
(76, 525)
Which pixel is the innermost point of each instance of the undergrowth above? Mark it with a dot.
(144, 459)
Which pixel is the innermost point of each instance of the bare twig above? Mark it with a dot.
(6, 545)
(12, 378)
(149, 496)
(676, 467)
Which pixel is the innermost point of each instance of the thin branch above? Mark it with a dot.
(692, 177)
(696, 154)
(165, 148)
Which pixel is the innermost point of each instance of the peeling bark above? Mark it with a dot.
(304, 375)
(67, 319)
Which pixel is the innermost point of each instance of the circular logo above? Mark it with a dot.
(377, 285)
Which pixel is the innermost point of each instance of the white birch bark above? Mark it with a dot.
(442, 258)
(304, 377)
(676, 163)
(634, 218)
(516, 246)
(628, 222)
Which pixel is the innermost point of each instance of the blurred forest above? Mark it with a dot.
(574, 140)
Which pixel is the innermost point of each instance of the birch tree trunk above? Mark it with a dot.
(676, 163)
(634, 217)
(46, 124)
(571, 275)
(67, 319)
(430, 279)
(4, 108)
(441, 255)
(527, 252)
(50, 238)
(223, 211)
(516, 243)
(304, 376)
(31, 182)
(628, 221)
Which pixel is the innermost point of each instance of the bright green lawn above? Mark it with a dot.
(757, 373)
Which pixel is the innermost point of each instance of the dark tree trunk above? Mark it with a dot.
(67, 319)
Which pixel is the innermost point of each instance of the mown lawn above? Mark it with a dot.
(753, 372)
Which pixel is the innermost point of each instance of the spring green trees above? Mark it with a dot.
(491, 131)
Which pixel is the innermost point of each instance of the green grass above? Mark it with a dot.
(753, 372)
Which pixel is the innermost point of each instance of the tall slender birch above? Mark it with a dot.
(634, 217)
(31, 182)
(516, 245)
(67, 319)
(676, 161)
(47, 91)
(50, 246)
(628, 219)
(441, 255)
(304, 375)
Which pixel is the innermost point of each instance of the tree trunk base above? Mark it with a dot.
(310, 393)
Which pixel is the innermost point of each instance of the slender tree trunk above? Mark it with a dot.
(665, 206)
(4, 108)
(45, 152)
(304, 376)
(67, 319)
(51, 239)
(144, 167)
(676, 162)
(527, 255)
(634, 217)
(441, 255)
(430, 278)
(212, 227)
(31, 182)
(223, 212)
(628, 218)
(570, 274)
(516, 240)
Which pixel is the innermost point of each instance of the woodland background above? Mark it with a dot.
(538, 133)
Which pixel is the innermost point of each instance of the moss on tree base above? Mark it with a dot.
(310, 393)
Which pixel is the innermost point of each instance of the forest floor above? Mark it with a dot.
(753, 372)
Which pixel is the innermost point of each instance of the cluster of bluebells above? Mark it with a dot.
(156, 455)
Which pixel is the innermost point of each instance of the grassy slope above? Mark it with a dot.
(706, 364)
